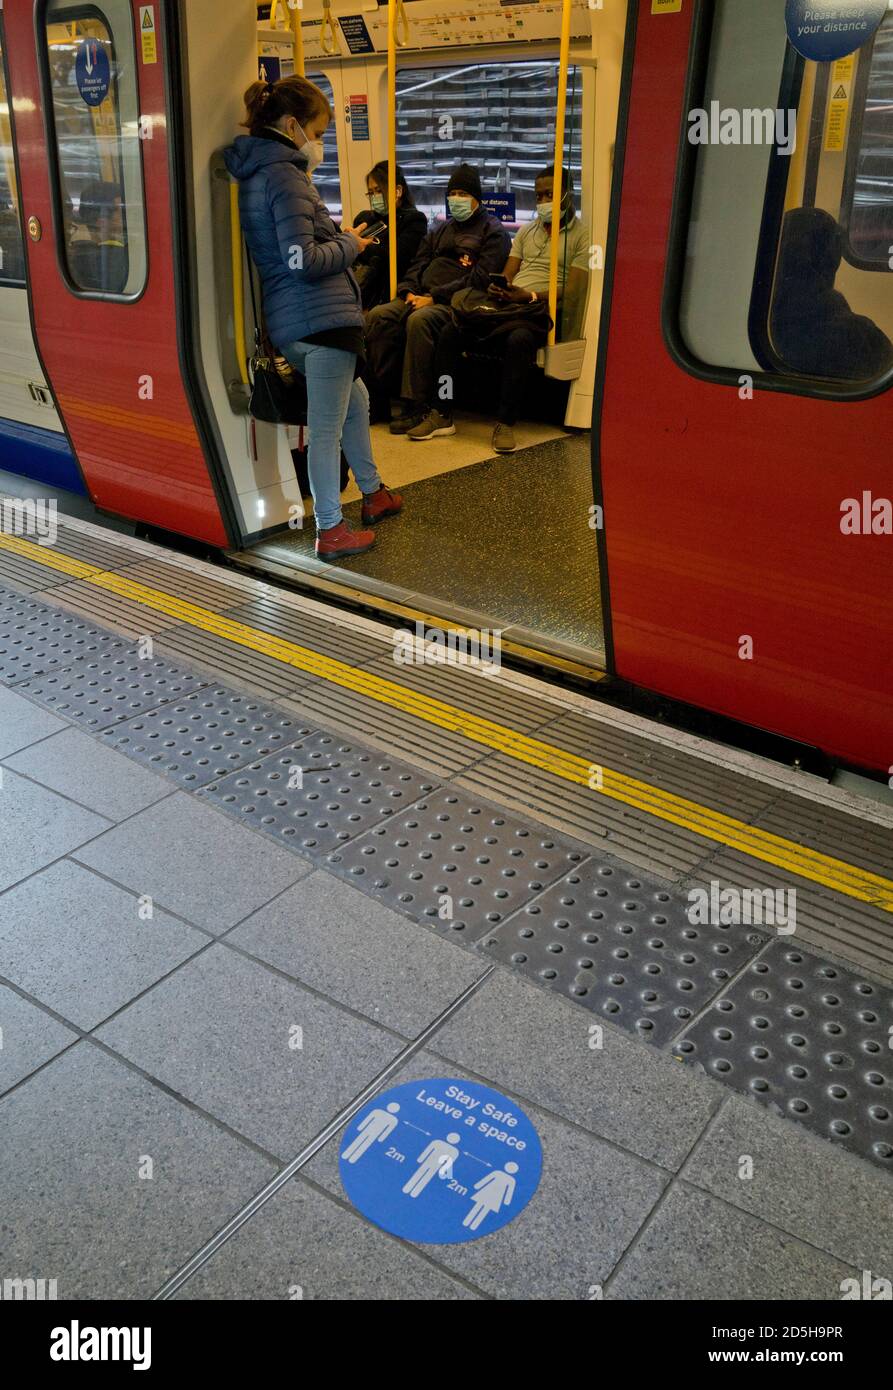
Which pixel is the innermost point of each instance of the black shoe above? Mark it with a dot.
(408, 421)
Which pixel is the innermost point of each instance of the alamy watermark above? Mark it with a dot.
(30, 516)
(29, 1290)
(433, 646)
(727, 125)
(743, 907)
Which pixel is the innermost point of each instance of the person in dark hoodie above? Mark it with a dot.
(311, 300)
(460, 253)
(812, 326)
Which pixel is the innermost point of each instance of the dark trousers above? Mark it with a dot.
(517, 349)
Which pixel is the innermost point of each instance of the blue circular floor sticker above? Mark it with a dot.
(825, 30)
(93, 72)
(440, 1162)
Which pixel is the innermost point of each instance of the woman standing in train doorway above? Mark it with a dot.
(311, 300)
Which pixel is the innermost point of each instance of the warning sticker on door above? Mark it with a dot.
(147, 33)
(666, 6)
(841, 88)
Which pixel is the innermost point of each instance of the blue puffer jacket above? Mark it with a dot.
(302, 259)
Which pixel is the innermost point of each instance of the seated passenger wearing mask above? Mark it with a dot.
(401, 336)
(527, 271)
(372, 269)
(100, 262)
(812, 326)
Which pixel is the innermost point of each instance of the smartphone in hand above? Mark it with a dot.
(499, 281)
(371, 230)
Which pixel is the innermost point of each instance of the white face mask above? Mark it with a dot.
(312, 151)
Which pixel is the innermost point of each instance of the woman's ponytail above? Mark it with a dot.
(267, 102)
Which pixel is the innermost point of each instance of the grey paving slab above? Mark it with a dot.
(75, 1209)
(455, 863)
(340, 942)
(28, 1037)
(201, 739)
(221, 1032)
(832, 1200)
(318, 794)
(304, 1245)
(78, 766)
(22, 722)
(808, 1039)
(116, 685)
(622, 945)
(699, 1248)
(79, 944)
(195, 862)
(37, 826)
(590, 1202)
(541, 1047)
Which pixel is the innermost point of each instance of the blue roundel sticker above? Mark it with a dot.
(440, 1162)
(825, 30)
(92, 72)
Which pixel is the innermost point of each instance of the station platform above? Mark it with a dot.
(255, 874)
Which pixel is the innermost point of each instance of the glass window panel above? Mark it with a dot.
(96, 126)
(12, 253)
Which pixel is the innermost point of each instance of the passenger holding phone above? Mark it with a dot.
(372, 267)
(523, 281)
(401, 335)
(311, 300)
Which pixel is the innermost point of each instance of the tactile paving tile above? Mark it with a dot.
(95, 694)
(809, 1039)
(207, 736)
(621, 944)
(341, 791)
(455, 864)
(16, 609)
(50, 642)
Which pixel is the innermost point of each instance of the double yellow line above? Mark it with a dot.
(799, 860)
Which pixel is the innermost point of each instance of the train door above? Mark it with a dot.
(87, 83)
(743, 449)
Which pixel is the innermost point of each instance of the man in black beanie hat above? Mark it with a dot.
(401, 337)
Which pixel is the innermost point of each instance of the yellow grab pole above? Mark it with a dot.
(392, 144)
(235, 234)
(298, 36)
(560, 112)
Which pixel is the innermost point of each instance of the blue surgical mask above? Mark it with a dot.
(544, 212)
(378, 202)
(460, 208)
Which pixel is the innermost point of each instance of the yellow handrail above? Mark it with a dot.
(328, 32)
(298, 37)
(392, 142)
(560, 113)
(235, 237)
(401, 21)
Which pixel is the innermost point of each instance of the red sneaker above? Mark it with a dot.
(380, 504)
(340, 540)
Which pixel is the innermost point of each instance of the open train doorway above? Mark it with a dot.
(503, 541)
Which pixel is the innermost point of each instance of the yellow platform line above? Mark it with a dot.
(799, 860)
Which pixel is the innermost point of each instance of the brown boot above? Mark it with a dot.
(340, 540)
(378, 505)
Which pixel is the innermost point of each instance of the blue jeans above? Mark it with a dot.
(337, 417)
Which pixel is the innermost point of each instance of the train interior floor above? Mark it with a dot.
(211, 967)
(480, 535)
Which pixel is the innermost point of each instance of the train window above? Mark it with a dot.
(91, 72)
(326, 176)
(868, 198)
(767, 284)
(12, 253)
(495, 115)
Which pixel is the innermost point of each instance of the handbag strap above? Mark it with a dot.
(259, 358)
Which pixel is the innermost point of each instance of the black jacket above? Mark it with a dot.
(456, 256)
(372, 268)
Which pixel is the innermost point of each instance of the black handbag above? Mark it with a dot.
(474, 311)
(278, 393)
